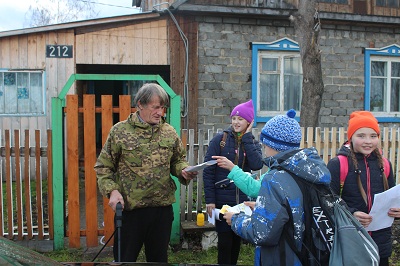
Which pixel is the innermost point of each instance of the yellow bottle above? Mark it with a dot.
(200, 219)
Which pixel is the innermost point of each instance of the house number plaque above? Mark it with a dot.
(59, 51)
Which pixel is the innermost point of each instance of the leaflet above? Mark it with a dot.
(200, 166)
(382, 203)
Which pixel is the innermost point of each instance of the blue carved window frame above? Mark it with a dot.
(285, 45)
(369, 54)
(22, 92)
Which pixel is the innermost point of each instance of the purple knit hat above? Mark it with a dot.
(245, 110)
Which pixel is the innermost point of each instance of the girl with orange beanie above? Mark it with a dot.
(365, 177)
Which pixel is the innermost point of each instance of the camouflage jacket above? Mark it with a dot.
(137, 160)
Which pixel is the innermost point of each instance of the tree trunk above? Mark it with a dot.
(307, 27)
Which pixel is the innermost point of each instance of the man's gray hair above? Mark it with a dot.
(147, 91)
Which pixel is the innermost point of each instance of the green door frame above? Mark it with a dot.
(57, 105)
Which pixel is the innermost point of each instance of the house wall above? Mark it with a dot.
(225, 64)
(138, 44)
(144, 43)
(28, 51)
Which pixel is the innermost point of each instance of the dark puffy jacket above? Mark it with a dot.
(371, 172)
(265, 226)
(213, 174)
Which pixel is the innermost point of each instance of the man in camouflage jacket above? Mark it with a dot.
(134, 169)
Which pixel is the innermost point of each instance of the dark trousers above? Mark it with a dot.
(228, 247)
(148, 226)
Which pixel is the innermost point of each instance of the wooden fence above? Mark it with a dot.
(26, 209)
(26, 199)
(326, 140)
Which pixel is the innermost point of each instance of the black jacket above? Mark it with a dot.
(368, 165)
(213, 174)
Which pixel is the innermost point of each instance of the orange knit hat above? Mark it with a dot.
(360, 119)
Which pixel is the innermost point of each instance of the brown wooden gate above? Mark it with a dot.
(84, 212)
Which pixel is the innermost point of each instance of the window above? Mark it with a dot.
(387, 3)
(382, 75)
(335, 1)
(276, 78)
(22, 93)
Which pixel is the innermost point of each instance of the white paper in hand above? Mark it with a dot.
(379, 211)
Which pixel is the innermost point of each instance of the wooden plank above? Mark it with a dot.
(184, 136)
(70, 62)
(106, 124)
(114, 45)
(146, 42)
(89, 127)
(39, 190)
(138, 44)
(105, 46)
(326, 143)
(335, 145)
(50, 181)
(162, 48)
(18, 185)
(5, 53)
(152, 52)
(310, 137)
(124, 107)
(22, 51)
(190, 158)
(31, 53)
(14, 52)
(200, 183)
(41, 50)
(80, 49)
(10, 202)
(72, 170)
(317, 139)
(96, 49)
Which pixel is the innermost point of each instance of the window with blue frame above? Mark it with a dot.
(276, 78)
(382, 80)
(22, 93)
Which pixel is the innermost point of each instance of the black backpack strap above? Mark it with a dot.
(288, 235)
(306, 255)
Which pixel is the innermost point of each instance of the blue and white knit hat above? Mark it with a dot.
(282, 132)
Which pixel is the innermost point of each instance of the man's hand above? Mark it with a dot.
(115, 197)
(224, 162)
(189, 175)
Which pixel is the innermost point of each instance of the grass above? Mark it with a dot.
(193, 256)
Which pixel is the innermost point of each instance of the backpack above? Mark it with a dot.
(344, 169)
(328, 227)
(350, 239)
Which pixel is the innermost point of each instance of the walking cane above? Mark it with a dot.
(118, 218)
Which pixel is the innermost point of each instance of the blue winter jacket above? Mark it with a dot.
(371, 171)
(264, 227)
(250, 149)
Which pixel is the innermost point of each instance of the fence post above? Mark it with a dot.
(58, 173)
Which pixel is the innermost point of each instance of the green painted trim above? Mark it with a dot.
(58, 173)
(66, 88)
(173, 118)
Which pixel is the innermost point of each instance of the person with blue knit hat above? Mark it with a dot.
(240, 147)
(281, 137)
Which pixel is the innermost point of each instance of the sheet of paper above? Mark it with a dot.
(200, 166)
(240, 208)
(215, 215)
(382, 203)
